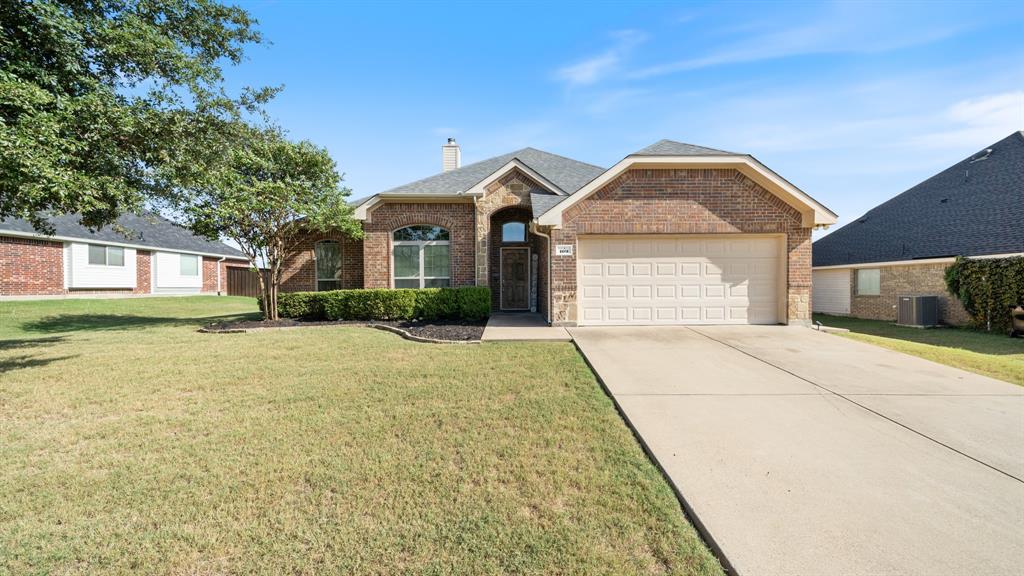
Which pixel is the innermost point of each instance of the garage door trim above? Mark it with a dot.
(630, 314)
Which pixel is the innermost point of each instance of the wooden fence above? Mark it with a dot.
(243, 281)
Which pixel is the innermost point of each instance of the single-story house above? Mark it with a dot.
(142, 254)
(903, 246)
(672, 234)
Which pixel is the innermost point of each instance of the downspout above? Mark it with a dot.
(547, 277)
(476, 231)
(222, 258)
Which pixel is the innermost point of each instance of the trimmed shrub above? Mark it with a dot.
(307, 305)
(467, 303)
(474, 302)
(988, 287)
(437, 304)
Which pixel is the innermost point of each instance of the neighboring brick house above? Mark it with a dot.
(903, 246)
(672, 234)
(143, 254)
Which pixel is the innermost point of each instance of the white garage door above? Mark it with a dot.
(679, 280)
(831, 291)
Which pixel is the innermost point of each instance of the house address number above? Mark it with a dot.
(563, 250)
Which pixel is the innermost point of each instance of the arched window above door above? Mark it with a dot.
(513, 232)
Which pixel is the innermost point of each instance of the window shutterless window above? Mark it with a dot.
(513, 232)
(188, 264)
(421, 257)
(106, 255)
(328, 265)
(869, 282)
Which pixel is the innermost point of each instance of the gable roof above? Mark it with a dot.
(669, 154)
(673, 148)
(568, 174)
(969, 209)
(149, 230)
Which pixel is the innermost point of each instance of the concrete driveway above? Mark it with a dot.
(801, 452)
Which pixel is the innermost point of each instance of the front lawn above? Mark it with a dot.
(133, 444)
(990, 354)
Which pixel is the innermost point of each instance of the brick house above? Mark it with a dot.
(142, 254)
(672, 234)
(903, 246)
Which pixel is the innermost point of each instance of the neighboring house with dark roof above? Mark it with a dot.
(140, 254)
(672, 234)
(903, 246)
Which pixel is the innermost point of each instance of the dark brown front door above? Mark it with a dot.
(515, 278)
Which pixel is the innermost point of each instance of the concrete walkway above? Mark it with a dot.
(807, 453)
(522, 326)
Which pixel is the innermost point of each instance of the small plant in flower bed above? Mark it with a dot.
(471, 303)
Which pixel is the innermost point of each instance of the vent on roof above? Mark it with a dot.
(983, 156)
(862, 220)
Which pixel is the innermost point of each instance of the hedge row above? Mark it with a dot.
(988, 287)
(467, 303)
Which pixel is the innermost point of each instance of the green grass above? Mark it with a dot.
(990, 354)
(133, 444)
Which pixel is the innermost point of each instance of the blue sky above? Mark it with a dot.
(852, 102)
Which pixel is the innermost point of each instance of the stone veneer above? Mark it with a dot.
(909, 280)
(683, 201)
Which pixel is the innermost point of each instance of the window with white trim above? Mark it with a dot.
(188, 264)
(106, 255)
(869, 282)
(420, 257)
(328, 265)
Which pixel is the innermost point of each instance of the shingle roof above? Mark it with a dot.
(543, 202)
(972, 208)
(148, 230)
(673, 148)
(568, 174)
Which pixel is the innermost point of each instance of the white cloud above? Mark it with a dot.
(982, 119)
(845, 29)
(598, 67)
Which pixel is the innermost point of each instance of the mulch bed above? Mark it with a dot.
(458, 331)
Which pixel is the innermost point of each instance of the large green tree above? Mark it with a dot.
(97, 96)
(266, 195)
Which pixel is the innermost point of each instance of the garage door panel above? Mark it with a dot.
(679, 280)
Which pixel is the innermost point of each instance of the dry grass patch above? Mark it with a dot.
(140, 446)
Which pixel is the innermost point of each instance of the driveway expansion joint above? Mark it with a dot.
(848, 398)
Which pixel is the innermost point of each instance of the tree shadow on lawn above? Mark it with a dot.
(12, 363)
(95, 322)
(992, 343)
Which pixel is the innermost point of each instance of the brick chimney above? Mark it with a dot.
(451, 156)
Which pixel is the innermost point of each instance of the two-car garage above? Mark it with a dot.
(681, 279)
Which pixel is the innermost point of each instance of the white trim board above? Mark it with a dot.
(481, 187)
(814, 213)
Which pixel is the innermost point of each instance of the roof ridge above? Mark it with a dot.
(563, 157)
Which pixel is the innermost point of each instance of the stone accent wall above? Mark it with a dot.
(30, 267)
(299, 273)
(514, 214)
(909, 280)
(683, 201)
(458, 218)
(513, 189)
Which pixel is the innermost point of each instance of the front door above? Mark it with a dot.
(515, 278)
